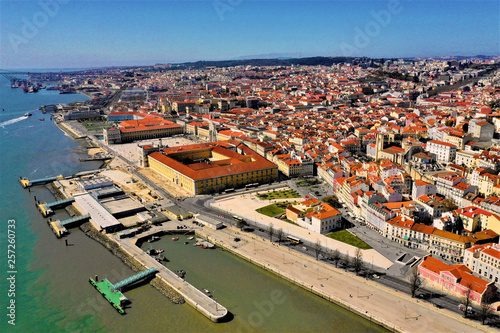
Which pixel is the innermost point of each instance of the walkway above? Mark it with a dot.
(201, 302)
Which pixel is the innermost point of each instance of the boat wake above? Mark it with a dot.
(13, 121)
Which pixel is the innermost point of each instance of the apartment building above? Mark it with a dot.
(484, 260)
(444, 151)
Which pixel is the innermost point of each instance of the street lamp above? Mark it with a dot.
(215, 301)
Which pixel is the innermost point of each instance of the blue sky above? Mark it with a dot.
(71, 34)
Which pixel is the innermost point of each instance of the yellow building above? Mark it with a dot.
(150, 127)
(213, 167)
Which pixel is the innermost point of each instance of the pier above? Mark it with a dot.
(26, 183)
(112, 293)
(60, 227)
(75, 221)
(193, 296)
(48, 208)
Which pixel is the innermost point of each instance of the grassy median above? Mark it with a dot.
(348, 238)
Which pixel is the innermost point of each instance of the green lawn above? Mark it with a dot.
(271, 210)
(348, 238)
(285, 194)
(290, 221)
(95, 125)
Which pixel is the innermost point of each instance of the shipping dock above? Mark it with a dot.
(26, 183)
(60, 227)
(48, 208)
(112, 292)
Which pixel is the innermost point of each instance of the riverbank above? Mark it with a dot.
(167, 282)
(367, 298)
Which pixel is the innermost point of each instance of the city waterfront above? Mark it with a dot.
(52, 289)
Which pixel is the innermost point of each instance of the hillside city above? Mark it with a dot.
(404, 154)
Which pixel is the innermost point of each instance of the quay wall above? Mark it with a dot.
(68, 130)
(172, 275)
(158, 282)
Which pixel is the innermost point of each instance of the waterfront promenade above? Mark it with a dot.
(395, 311)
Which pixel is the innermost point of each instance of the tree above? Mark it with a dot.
(271, 232)
(279, 234)
(449, 123)
(240, 224)
(317, 249)
(466, 299)
(357, 261)
(486, 311)
(336, 257)
(415, 281)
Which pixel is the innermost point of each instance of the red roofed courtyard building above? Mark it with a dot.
(213, 167)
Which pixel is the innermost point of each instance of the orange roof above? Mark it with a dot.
(235, 164)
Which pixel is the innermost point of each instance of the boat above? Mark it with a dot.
(191, 237)
(153, 239)
(207, 245)
(28, 114)
(206, 292)
(42, 119)
(160, 258)
(160, 251)
(180, 273)
(175, 238)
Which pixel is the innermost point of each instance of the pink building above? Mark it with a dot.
(455, 279)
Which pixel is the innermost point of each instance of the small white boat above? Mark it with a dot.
(153, 239)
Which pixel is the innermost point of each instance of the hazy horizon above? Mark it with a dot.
(83, 34)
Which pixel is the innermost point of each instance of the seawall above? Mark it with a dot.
(131, 262)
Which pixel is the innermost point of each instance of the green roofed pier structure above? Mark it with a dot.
(112, 292)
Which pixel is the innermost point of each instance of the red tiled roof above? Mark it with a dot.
(235, 164)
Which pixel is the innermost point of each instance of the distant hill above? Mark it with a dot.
(311, 61)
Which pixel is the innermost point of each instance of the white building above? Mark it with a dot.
(323, 219)
(484, 260)
(422, 188)
(466, 157)
(444, 151)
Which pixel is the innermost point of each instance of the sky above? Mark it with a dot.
(92, 33)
